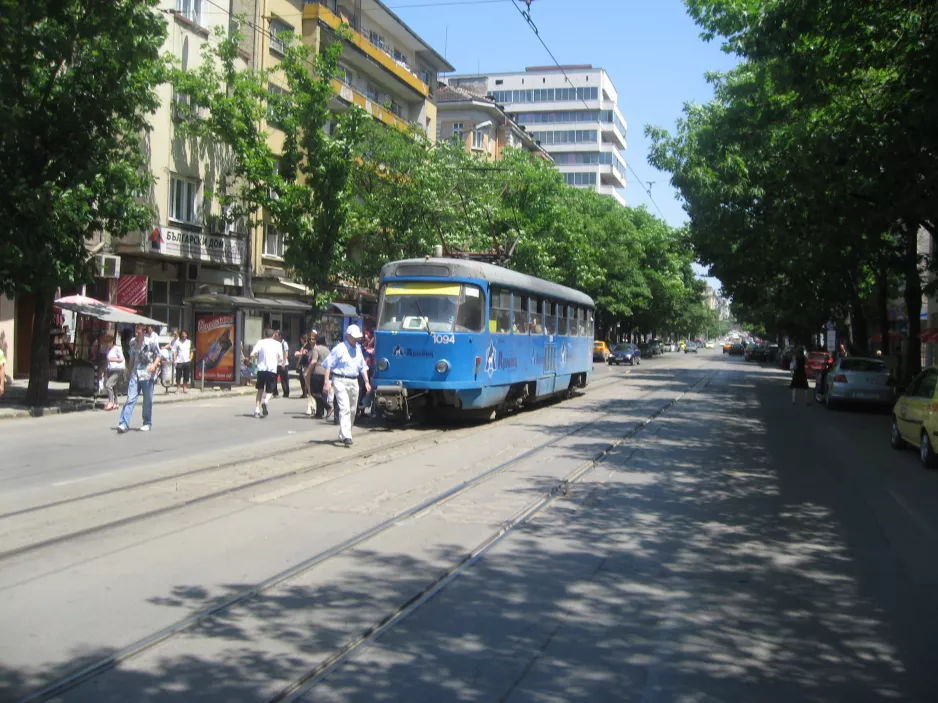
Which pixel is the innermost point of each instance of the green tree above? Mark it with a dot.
(77, 81)
(305, 190)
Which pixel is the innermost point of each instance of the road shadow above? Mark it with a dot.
(720, 556)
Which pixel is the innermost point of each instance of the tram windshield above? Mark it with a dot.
(431, 307)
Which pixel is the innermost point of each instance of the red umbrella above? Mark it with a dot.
(893, 334)
(929, 336)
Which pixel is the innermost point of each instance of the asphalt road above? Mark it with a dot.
(732, 547)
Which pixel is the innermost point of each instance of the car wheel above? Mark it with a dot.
(926, 453)
(895, 437)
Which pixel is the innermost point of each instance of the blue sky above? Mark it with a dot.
(651, 49)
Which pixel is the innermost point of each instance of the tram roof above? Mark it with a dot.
(494, 275)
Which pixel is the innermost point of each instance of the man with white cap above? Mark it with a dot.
(344, 365)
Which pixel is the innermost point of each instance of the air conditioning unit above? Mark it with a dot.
(107, 266)
(192, 272)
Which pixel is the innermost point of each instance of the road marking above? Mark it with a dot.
(914, 514)
(74, 480)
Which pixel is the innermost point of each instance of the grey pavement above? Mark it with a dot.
(739, 548)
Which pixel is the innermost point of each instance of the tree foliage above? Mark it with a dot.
(410, 196)
(808, 176)
(77, 83)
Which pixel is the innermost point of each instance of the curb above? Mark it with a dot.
(22, 412)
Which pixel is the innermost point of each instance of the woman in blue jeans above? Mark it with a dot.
(143, 359)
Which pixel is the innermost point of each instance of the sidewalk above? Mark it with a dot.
(13, 402)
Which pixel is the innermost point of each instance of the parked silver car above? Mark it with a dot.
(855, 380)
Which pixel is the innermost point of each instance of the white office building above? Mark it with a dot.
(573, 112)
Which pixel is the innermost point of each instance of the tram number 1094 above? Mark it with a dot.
(444, 339)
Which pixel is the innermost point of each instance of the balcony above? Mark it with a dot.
(352, 96)
(612, 193)
(323, 15)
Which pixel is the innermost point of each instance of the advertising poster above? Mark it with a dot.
(214, 343)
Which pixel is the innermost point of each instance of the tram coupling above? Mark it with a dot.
(392, 400)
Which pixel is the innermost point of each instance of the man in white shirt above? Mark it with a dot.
(268, 354)
(284, 370)
(344, 365)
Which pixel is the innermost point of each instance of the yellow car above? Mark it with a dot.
(726, 347)
(708, 345)
(601, 351)
(915, 416)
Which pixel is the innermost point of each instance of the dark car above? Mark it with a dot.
(691, 348)
(737, 350)
(656, 348)
(756, 353)
(645, 350)
(625, 354)
(785, 356)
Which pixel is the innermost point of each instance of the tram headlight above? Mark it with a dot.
(442, 366)
(383, 364)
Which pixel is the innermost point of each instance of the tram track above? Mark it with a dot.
(304, 683)
(427, 440)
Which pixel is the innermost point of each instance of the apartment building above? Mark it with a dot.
(481, 125)
(386, 69)
(189, 250)
(573, 112)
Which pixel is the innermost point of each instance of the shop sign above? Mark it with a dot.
(212, 248)
(131, 290)
(214, 333)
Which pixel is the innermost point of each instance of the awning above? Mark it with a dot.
(929, 336)
(91, 307)
(239, 301)
(344, 309)
(893, 334)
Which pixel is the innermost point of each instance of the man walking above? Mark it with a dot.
(284, 369)
(144, 360)
(344, 365)
(268, 354)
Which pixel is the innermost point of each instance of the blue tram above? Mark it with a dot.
(476, 338)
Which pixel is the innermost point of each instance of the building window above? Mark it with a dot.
(182, 200)
(580, 179)
(190, 9)
(273, 242)
(278, 42)
(274, 106)
(478, 139)
(456, 133)
(345, 75)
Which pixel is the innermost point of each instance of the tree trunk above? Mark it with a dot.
(858, 326)
(248, 265)
(37, 394)
(913, 305)
(882, 304)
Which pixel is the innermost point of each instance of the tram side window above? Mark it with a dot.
(520, 314)
(589, 322)
(571, 321)
(550, 316)
(581, 322)
(562, 328)
(469, 314)
(534, 307)
(500, 311)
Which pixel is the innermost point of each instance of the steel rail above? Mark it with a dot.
(300, 687)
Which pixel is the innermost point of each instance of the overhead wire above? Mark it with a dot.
(527, 18)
